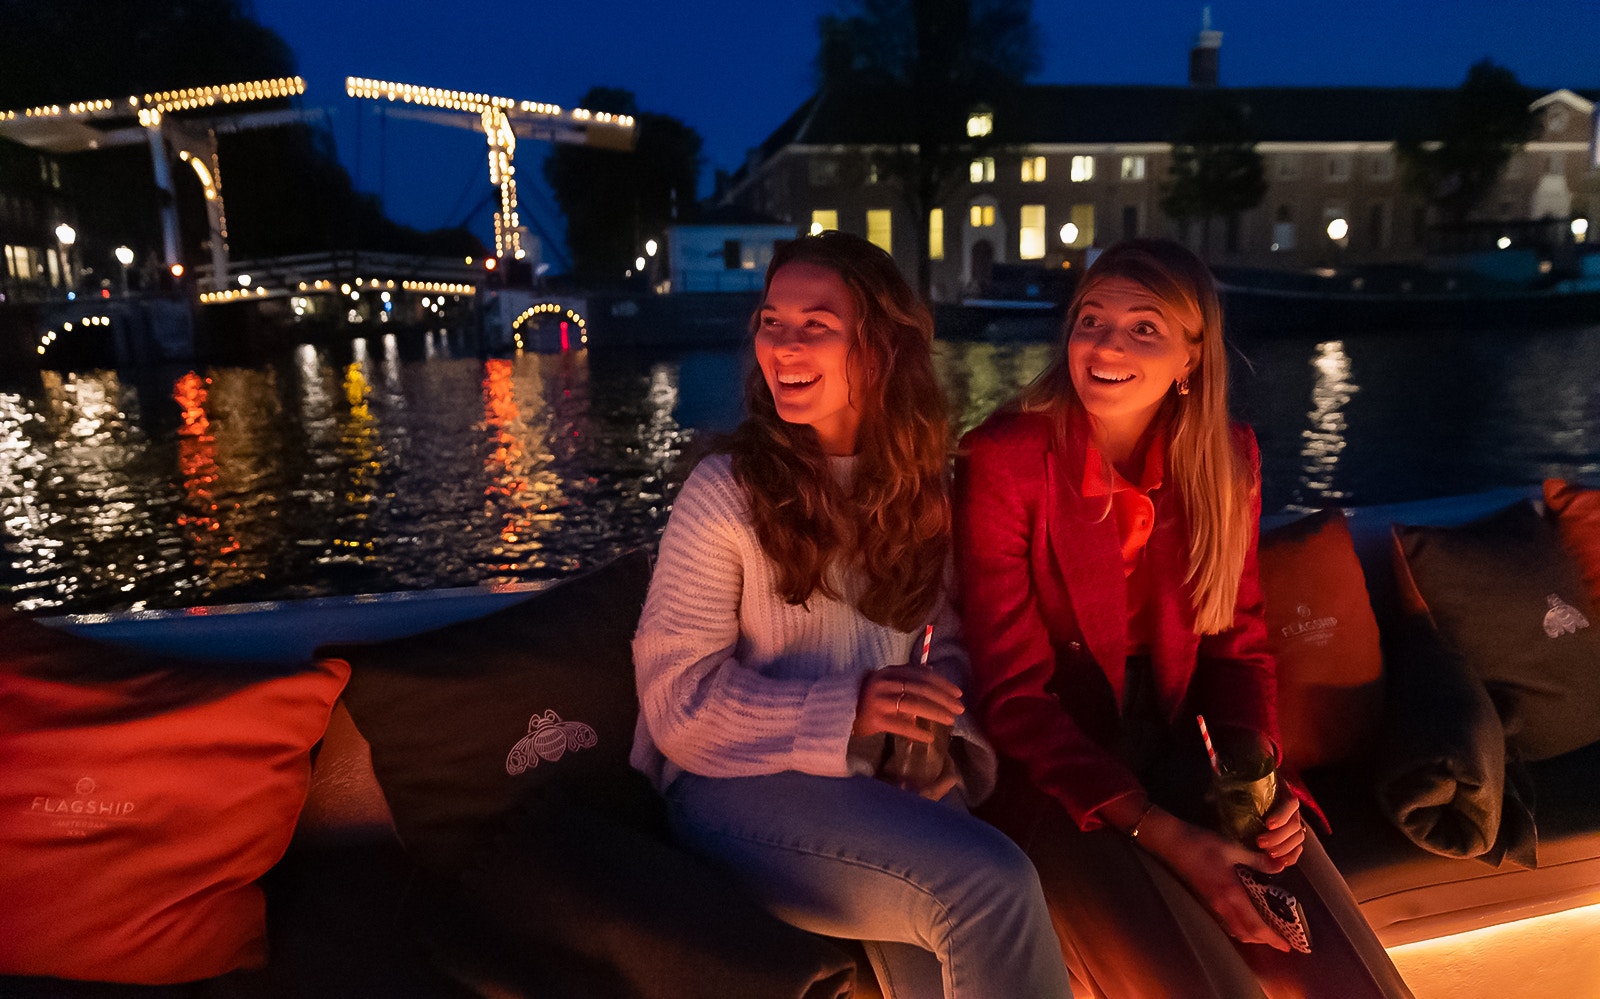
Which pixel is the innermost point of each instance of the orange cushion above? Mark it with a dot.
(1322, 629)
(1577, 511)
(141, 798)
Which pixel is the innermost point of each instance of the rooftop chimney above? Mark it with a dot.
(1203, 58)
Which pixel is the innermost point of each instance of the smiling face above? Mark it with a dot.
(805, 339)
(1126, 349)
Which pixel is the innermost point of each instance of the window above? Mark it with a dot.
(979, 124)
(1079, 233)
(880, 228)
(1130, 221)
(824, 218)
(1286, 166)
(1338, 167)
(1082, 168)
(1378, 224)
(936, 234)
(1383, 166)
(822, 171)
(1133, 168)
(1032, 169)
(982, 170)
(980, 216)
(1030, 238)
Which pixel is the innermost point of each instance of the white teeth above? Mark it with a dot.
(797, 379)
(1110, 376)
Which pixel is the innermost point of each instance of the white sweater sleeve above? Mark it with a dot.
(705, 710)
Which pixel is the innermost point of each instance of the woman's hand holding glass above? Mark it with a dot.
(1205, 861)
(916, 708)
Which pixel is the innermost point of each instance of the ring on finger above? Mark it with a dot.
(898, 700)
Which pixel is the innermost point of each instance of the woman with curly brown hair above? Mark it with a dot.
(774, 657)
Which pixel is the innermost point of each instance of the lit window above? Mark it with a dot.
(880, 228)
(1082, 168)
(824, 218)
(979, 124)
(1133, 168)
(1079, 232)
(1030, 242)
(982, 170)
(1032, 169)
(936, 234)
(981, 216)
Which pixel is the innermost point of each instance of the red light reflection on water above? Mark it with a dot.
(197, 465)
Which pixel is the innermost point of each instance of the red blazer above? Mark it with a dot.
(1044, 611)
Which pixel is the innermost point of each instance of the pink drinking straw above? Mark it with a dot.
(927, 643)
(1210, 750)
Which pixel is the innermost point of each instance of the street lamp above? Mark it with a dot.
(650, 247)
(124, 257)
(66, 236)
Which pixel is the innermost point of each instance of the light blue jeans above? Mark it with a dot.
(947, 905)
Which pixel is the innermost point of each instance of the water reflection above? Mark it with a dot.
(1325, 437)
(389, 464)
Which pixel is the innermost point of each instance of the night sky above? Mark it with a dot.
(735, 70)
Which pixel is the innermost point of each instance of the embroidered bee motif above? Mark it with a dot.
(1562, 618)
(548, 738)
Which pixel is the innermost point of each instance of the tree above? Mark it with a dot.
(1216, 170)
(936, 61)
(614, 201)
(1487, 119)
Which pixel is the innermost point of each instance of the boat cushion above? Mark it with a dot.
(1577, 513)
(466, 720)
(141, 799)
(1505, 594)
(1325, 639)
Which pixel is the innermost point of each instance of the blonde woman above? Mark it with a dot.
(1106, 530)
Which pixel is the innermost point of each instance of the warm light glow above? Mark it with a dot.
(979, 124)
(1069, 233)
(1551, 955)
(66, 235)
(244, 280)
(1338, 229)
(124, 255)
(816, 228)
(177, 270)
(638, 263)
(1580, 228)
(1504, 242)
(490, 263)
(650, 247)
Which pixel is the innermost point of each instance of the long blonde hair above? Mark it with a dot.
(1213, 482)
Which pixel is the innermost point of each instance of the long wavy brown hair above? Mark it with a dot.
(892, 522)
(1212, 480)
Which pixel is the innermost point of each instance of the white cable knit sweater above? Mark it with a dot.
(736, 682)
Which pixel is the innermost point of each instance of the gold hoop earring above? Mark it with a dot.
(1183, 385)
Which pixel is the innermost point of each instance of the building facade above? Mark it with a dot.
(34, 261)
(1070, 168)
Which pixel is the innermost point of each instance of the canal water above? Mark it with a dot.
(401, 464)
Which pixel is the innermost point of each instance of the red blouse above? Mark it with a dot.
(1044, 600)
